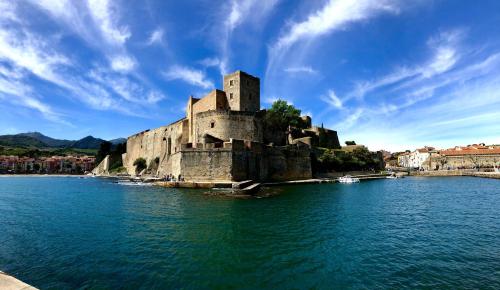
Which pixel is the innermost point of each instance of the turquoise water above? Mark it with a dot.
(69, 233)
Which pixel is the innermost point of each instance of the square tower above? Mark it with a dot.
(242, 91)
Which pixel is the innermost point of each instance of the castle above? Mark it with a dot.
(223, 138)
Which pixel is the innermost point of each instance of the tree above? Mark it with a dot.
(140, 164)
(350, 143)
(281, 115)
(104, 149)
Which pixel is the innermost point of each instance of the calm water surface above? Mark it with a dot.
(69, 233)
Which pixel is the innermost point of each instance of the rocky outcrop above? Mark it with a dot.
(103, 167)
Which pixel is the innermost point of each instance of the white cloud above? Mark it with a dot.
(126, 88)
(26, 51)
(189, 75)
(240, 12)
(105, 17)
(444, 57)
(97, 22)
(15, 92)
(8, 9)
(333, 16)
(332, 99)
(301, 70)
(156, 37)
(123, 63)
(210, 62)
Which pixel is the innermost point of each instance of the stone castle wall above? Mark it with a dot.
(288, 162)
(225, 125)
(206, 164)
(160, 143)
(244, 161)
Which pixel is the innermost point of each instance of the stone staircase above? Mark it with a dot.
(247, 187)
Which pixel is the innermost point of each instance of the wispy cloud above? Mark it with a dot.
(189, 75)
(332, 99)
(97, 22)
(12, 90)
(333, 16)
(240, 12)
(301, 70)
(126, 88)
(156, 37)
(104, 14)
(123, 63)
(444, 56)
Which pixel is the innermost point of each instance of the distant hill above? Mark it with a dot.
(118, 141)
(88, 142)
(51, 142)
(38, 140)
(21, 141)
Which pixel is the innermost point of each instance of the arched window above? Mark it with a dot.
(212, 124)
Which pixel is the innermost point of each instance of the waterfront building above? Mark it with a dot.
(418, 159)
(53, 164)
(475, 156)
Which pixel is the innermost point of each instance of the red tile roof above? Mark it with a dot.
(470, 151)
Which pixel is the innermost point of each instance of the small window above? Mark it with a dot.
(212, 124)
(248, 82)
(230, 96)
(231, 83)
(250, 96)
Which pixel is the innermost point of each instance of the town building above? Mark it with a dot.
(475, 156)
(47, 165)
(418, 159)
(223, 137)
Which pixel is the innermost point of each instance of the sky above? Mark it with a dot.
(388, 74)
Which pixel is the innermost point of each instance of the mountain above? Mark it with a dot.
(50, 142)
(88, 142)
(118, 141)
(21, 141)
(38, 140)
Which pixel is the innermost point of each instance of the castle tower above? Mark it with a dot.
(242, 91)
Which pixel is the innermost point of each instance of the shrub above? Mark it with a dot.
(140, 164)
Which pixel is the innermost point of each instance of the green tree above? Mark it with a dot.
(281, 115)
(350, 143)
(140, 164)
(104, 149)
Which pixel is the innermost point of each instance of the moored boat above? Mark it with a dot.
(348, 179)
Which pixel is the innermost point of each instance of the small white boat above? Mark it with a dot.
(348, 179)
(393, 176)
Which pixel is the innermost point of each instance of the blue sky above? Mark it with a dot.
(389, 74)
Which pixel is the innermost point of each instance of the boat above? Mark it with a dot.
(393, 176)
(348, 179)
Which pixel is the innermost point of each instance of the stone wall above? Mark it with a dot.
(291, 162)
(160, 143)
(225, 125)
(464, 161)
(206, 164)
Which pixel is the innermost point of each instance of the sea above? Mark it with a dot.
(93, 233)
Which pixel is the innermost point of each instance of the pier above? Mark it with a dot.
(8, 282)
